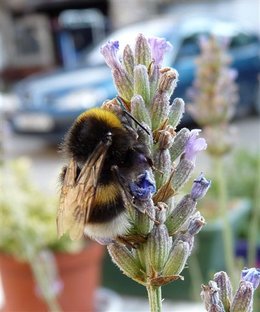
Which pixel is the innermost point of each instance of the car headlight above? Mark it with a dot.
(8, 103)
(81, 99)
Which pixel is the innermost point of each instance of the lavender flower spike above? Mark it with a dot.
(251, 275)
(194, 145)
(200, 187)
(159, 47)
(144, 187)
(109, 51)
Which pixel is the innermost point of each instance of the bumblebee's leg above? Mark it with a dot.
(123, 185)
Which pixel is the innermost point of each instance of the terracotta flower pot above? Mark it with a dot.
(79, 273)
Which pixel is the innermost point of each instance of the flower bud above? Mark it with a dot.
(159, 109)
(123, 84)
(140, 254)
(243, 299)
(161, 212)
(112, 106)
(251, 275)
(176, 112)
(143, 223)
(196, 223)
(158, 247)
(166, 137)
(179, 143)
(139, 110)
(182, 173)
(154, 74)
(200, 187)
(126, 262)
(210, 296)
(128, 60)
(180, 214)
(142, 51)
(147, 140)
(141, 83)
(225, 288)
(187, 238)
(168, 80)
(177, 259)
(163, 165)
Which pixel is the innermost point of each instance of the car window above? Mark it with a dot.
(159, 28)
(189, 47)
(241, 40)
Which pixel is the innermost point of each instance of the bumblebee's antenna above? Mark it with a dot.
(130, 115)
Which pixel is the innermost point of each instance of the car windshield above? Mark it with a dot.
(155, 28)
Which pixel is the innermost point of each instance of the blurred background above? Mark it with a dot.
(51, 70)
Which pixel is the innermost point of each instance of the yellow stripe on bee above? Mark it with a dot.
(103, 115)
(106, 194)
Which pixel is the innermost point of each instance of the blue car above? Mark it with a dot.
(49, 103)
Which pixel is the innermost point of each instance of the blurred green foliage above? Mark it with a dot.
(27, 215)
(242, 174)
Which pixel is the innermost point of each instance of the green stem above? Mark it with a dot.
(42, 282)
(227, 229)
(253, 229)
(39, 274)
(155, 298)
(196, 276)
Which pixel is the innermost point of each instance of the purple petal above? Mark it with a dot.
(159, 46)
(251, 275)
(194, 145)
(109, 51)
(143, 187)
(232, 73)
(200, 187)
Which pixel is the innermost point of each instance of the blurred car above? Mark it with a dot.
(49, 103)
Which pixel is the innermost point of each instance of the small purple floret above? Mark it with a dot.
(251, 275)
(200, 187)
(196, 225)
(143, 187)
(194, 145)
(109, 51)
(159, 46)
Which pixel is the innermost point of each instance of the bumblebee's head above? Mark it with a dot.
(91, 128)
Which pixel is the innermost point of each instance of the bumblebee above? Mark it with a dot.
(104, 156)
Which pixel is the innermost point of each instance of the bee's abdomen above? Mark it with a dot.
(108, 203)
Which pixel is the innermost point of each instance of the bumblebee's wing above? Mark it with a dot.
(77, 194)
(68, 184)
